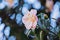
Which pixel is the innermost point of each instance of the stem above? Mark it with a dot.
(41, 36)
(36, 38)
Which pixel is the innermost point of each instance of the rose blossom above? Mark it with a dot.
(30, 19)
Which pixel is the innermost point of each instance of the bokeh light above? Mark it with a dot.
(4, 38)
(12, 17)
(18, 18)
(2, 27)
(37, 5)
(30, 1)
(12, 38)
(11, 3)
(7, 31)
(0, 20)
(1, 36)
(24, 10)
(54, 14)
(2, 4)
(28, 6)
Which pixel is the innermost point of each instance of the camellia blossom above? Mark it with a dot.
(30, 19)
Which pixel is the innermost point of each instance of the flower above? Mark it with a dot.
(30, 19)
(11, 3)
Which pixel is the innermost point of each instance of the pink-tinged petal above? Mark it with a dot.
(30, 19)
(36, 18)
(28, 25)
(23, 20)
(33, 11)
(34, 25)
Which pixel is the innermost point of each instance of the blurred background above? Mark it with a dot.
(12, 27)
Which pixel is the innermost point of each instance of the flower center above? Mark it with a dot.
(31, 18)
